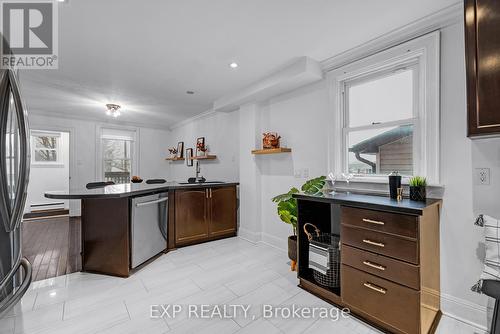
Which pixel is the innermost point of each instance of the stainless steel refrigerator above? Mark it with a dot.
(15, 271)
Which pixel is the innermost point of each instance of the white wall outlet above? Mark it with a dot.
(305, 173)
(483, 176)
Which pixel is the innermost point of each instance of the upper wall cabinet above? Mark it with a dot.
(482, 39)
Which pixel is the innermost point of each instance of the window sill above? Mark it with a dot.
(47, 165)
(379, 186)
(382, 180)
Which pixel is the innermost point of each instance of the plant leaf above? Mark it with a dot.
(285, 197)
(314, 186)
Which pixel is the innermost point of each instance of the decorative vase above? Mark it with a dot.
(418, 193)
(394, 184)
(292, 250)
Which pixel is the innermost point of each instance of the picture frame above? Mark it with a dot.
(200, 147)
(180, 150)
(189, 157)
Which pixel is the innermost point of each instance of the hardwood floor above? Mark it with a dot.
(52, 245)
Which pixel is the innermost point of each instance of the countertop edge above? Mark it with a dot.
(417, 211)
(134, 193)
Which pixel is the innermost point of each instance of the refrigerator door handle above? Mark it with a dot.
(12, 215)
(6, 304)
(25, 154)
(4, 191)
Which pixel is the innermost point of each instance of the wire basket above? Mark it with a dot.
(324, 256)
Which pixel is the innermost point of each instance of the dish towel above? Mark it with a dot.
(492, 244)
(318, 258)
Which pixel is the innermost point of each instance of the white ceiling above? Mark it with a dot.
(146, 54)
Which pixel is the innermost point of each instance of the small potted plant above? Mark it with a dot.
(287, 211)
(418, 188)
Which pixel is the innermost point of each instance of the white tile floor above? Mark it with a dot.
(231, 271)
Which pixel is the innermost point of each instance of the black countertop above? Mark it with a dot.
(130, 190)
(371, 202)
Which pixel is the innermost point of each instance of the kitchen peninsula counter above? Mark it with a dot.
(130, 190)
(125, 226)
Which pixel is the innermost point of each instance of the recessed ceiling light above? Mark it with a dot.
(233, 65)
(190, 92)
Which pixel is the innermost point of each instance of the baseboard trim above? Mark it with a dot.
(271, 240)
(465, 311)
(249, 235)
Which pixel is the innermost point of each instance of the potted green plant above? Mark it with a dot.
(287, 210)
(418, 186)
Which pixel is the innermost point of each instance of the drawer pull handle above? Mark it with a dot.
(375, 288)
(376, 222)
(373, 265)
(378, 244)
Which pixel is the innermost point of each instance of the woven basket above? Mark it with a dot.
(326, 245)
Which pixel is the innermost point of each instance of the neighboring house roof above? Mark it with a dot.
(371, 145)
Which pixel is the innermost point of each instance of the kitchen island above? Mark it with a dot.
(126, 225)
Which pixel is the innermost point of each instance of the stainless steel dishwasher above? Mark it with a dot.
(148, 227)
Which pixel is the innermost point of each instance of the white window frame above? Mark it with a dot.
(100, 129)
(421, 53)
(58, 149)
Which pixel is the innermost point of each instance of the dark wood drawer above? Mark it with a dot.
(394, 223)
(381, 243)
(391, 303)
(382, 266)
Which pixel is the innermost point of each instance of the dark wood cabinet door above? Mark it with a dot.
(482, 28)
(222, 211)
(191, 216)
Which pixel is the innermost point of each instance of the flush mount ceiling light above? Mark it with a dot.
(113, 110)
(233, 65)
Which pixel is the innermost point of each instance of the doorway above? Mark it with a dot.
(50, 237)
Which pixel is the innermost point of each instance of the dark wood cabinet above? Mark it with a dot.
(191, 216)
(204, 214)
(389, 270)
(222, 211)
(482, 28)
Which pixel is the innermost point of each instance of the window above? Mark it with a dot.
(379, 119)
(117, 149)
(45, 147)
(386, 113)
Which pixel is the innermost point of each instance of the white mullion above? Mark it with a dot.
(382, 125)
(418, 154)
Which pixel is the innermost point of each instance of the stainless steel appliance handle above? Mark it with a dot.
(156, 201)
(25, 154)
(12, 215)
(4, 192)
(6, 304)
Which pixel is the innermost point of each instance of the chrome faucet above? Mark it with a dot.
(198, 171)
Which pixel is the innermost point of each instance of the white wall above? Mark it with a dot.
(486, 154)
(153, 145)
(460, 265)
(300, 117)
(49, 178)
(221, 135)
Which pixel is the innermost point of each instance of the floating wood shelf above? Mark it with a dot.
(205, 157)
(175, 159)
(272, 151)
